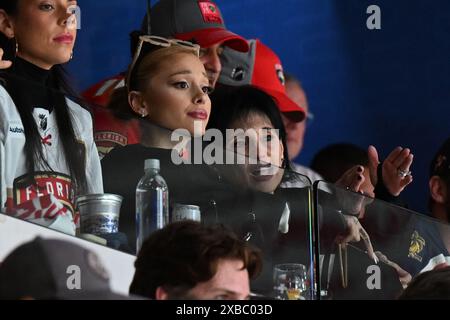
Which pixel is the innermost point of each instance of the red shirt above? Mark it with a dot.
(110, 131)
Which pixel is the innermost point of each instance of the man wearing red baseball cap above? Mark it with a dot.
(198, 21)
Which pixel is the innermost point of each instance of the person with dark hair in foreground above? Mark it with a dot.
(187, 260)
(430, 285)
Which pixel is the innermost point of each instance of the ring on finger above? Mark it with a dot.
(403, 173)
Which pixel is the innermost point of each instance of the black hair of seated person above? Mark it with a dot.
(60, 87)
(440, 166)
(430, 285)
(231, 104)
(334, 160)
(184, 254)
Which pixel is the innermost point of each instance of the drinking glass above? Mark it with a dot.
(290, 281)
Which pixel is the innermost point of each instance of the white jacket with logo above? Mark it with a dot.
(51, 203)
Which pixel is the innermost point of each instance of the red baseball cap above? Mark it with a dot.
(261, 68)
(198, 21)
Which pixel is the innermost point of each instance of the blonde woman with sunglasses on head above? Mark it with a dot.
(167, 89)
(47, 152)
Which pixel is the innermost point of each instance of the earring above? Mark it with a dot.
(143, 115)
(283, 163)
(71, 55)
(15, 45)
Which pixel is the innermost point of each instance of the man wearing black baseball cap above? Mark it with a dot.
(198, 21)
(54, 270)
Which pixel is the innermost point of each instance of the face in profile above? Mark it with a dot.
(45, 31)
(295, 131)
(210, 57)
(263, 150)
(176, 97)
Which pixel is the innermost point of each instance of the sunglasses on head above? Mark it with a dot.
(149, 44)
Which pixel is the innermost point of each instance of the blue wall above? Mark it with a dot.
(387, 87)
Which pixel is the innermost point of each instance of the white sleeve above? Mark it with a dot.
(2, 176)
(3, 131)
(93, 167)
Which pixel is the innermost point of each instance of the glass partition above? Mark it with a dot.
(285, 222)
(267, 206)
(307, 248)
(343, 245)
(275, 215)
(371, 249)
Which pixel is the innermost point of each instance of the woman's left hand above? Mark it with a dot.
(352, 180)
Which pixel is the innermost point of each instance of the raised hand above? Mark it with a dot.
(395, 169)
(352, 180)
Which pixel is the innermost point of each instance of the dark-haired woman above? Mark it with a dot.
(256, 114)
(48, 156)
(249, 108)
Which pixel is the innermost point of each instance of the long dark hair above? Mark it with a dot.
(59, 88)
(230, 104)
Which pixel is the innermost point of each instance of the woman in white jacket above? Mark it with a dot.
(47, 152)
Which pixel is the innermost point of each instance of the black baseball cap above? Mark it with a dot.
(42, 270)
(198, 21)
(440, 166)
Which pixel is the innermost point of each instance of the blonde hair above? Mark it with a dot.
(146, 70)
(152, 62)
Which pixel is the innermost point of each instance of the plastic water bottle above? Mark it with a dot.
(152, 202)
